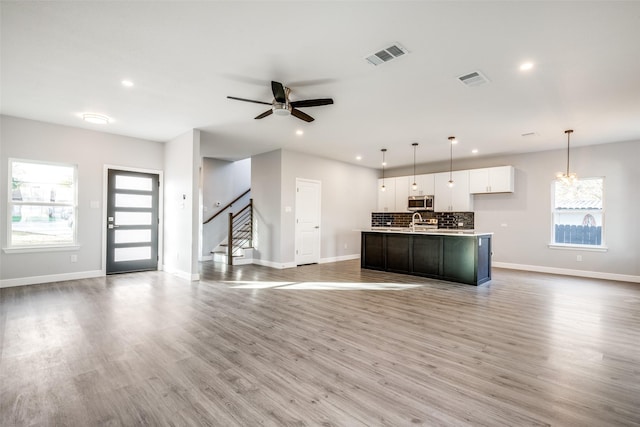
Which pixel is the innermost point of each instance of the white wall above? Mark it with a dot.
(222, 182)
(181, 200)
(90, 151)
(523, 243)
(266, 179)
(348, 198)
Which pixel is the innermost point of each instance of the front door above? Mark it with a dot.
(132, 221)
(307, 221)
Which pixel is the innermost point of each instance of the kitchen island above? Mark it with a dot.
(454, 255)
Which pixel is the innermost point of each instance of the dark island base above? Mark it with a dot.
(457, 258)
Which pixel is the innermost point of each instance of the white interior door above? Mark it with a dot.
(308, 197)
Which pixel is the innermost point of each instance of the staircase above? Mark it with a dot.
(238, 246)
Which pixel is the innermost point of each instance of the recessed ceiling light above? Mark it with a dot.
(358, 157)
(127, 83)
(299, 132)
(474, 151)
(526, 66)
(98, 119)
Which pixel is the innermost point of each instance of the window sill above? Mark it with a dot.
(34, 249)
(588, 248)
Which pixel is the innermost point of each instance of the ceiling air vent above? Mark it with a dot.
(386, 54)
(475, 78)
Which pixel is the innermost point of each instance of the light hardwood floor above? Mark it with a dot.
(250, 345)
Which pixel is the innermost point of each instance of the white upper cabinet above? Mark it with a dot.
(425, 183)
(492, 180)
(458, 198)
(402, 193)
(387, 198)
(452, 199)
(396, 194)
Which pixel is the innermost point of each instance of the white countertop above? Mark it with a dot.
(440, 231)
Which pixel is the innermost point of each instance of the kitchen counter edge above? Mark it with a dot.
(452, 232)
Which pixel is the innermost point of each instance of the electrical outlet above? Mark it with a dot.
(345, 246)
(579, 258)
(74, 258)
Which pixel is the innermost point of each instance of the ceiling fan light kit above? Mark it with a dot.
(281, 109)
(281, 106)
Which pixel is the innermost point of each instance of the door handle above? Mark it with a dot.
(113, 226)
(317, 226)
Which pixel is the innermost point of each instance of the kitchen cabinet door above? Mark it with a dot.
(491, 180)
(425, 183)
(456, 198)
(387, 198)
(501, 179)
(402, 193)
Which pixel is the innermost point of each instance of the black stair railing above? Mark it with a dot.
(240, 234)
(227, 206)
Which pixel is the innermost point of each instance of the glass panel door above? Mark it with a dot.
(132, 221)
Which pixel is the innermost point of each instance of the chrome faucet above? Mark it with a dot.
(413, 220)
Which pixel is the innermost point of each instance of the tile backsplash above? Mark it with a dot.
(453, 219)
(403, 219)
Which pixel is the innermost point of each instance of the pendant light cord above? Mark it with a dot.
(568, 132)
(415, 145)
(451, 161)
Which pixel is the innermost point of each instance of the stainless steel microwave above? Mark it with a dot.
(420, 203)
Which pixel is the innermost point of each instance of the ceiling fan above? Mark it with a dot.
(281, 105)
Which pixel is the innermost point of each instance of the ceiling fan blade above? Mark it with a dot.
(248, 100)
(311, 102)
(265, 114)
(302, 116)
(278, 92)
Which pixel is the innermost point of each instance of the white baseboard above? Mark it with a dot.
(339, 258)
(293, 264)
(568, 272)
(36, 280)
(242, 261)
(182, 274)
(272, 264)
(206, 258)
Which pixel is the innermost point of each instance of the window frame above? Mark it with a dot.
(602, 247)
(13, 248)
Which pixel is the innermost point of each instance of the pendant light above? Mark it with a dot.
(384, 163)
(452, 140)
(567, 177)
(414, 186)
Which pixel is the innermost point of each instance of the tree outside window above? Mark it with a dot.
(42, 205)
(578, 212)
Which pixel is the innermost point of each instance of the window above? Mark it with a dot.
(42, 204)
(578, 213)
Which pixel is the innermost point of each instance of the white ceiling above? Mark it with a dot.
(60, 59)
